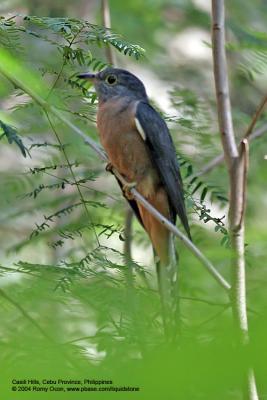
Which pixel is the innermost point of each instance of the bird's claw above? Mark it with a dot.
(126, 187)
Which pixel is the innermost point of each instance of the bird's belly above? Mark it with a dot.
(128, 154)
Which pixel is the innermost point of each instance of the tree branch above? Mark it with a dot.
(255, 117)
(244, 156)
(60, 350)
(105, 11)
(73, 176)
(26, 315)
(128, 234)
(250, 135)
(221, 82)
(237, 164)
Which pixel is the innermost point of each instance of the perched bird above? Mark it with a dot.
(139, 146)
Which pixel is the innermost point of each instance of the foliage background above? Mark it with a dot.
(66, 273)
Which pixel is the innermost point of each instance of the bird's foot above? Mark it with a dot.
(126, 188)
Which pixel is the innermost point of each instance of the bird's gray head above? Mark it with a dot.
(115, 82)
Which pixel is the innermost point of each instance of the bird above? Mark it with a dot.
(139, 146)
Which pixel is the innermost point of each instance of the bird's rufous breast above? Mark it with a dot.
(124, 145)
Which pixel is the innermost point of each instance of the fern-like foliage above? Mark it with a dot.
(10, 37)
(251, 47)
(197, 191)
(13, 137)
(75, 42)
(77, 32)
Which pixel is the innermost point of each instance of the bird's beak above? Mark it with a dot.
(87, 75)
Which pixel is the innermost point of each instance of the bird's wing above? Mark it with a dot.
(155, 133)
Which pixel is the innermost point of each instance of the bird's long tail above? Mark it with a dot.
(167, 273)
(166, 261)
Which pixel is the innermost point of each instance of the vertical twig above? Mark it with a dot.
(128, 234)
(105, 11)
(237, 164)
(127, 246)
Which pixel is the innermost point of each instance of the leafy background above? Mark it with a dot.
(69, 307)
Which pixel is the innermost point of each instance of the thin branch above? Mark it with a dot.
(73, 175)
(60, 115)
(26, 315)
(255, 117)
(83, 186)
(210, 303)
(244, 156)
(105, 11)
(207, 321)
(210, 165)
(58, 138)
(57, 346)
(80, 339)
(14, 271)
(63, 63)
(128, 234)
(219, 159)
(251, 387)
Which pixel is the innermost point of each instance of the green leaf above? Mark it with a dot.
(13, 137)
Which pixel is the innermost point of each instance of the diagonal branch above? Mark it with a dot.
(60, 115)
(60, 350)
(73, 176)
(255, 117)
(250, 134)
(26, 315)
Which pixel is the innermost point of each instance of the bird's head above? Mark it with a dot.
(115, 82)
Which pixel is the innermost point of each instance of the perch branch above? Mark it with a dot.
(60, 115)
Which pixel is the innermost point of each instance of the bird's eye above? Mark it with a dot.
(111, 79)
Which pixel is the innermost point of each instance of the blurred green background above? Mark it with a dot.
(67, 307)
